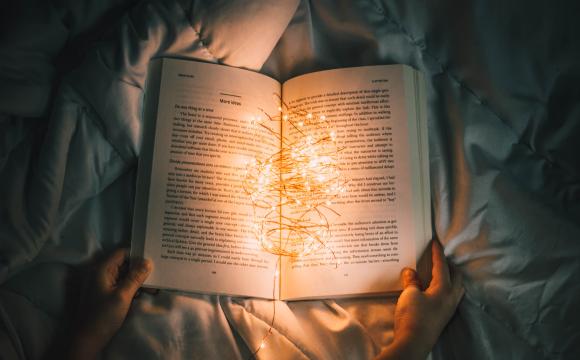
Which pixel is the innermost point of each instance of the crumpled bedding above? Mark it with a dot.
(504, 121)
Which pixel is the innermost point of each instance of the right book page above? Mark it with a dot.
(383, 220)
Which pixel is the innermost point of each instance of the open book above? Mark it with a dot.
(194, 221)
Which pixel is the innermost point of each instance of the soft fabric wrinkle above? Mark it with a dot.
(124, 66)
(80, 16)
(36, 33)
(527, 296)
(458, 202)
(177, 326)
(393, 47)
(86, 176)
(399, 46)
(538, 175)
(516, 310)
(336, 320)
(141, 41)
(329, 316)
(253, 329)
(76, 240)
(452, 73)
(31, 211)
(502, 120)
(47, 278)
(294, 50)
(31, 321)
(99, 92)
(375, 316)
(9, 339)
(32, 36)
(263, 23)
(557, 139)
(285, 321)
(309, 334)
(52, 184)
(486, 339)
(13, 132)
(463, 243)
(333, 28)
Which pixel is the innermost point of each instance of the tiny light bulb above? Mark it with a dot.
(262, 345)
(301, 123)
(322, 117)
(279, 108)
(309, 116)
(285, 117)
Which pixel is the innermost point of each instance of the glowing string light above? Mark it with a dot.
(292, 190)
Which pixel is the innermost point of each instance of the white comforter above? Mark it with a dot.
(503, 114)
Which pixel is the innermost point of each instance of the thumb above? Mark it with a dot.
(135, 278)
(409, 278)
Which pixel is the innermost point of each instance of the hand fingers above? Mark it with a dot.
(108, 270)
(409, 278)
(440, 272)
(137, 274)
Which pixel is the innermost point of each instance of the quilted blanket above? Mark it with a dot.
(504, 124)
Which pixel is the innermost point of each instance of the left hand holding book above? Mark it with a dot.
(105, 300)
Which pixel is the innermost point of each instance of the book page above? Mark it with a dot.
(382, 214)
(198, 218)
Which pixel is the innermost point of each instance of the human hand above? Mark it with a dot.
(105, 302)
(421, 316)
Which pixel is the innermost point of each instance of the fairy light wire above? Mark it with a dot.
(304, 177)
(271, 326)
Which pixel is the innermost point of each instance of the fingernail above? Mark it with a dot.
(145, 266)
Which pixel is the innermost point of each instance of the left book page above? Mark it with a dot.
(192, 217)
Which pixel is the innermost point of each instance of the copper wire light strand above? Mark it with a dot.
(303, 178)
